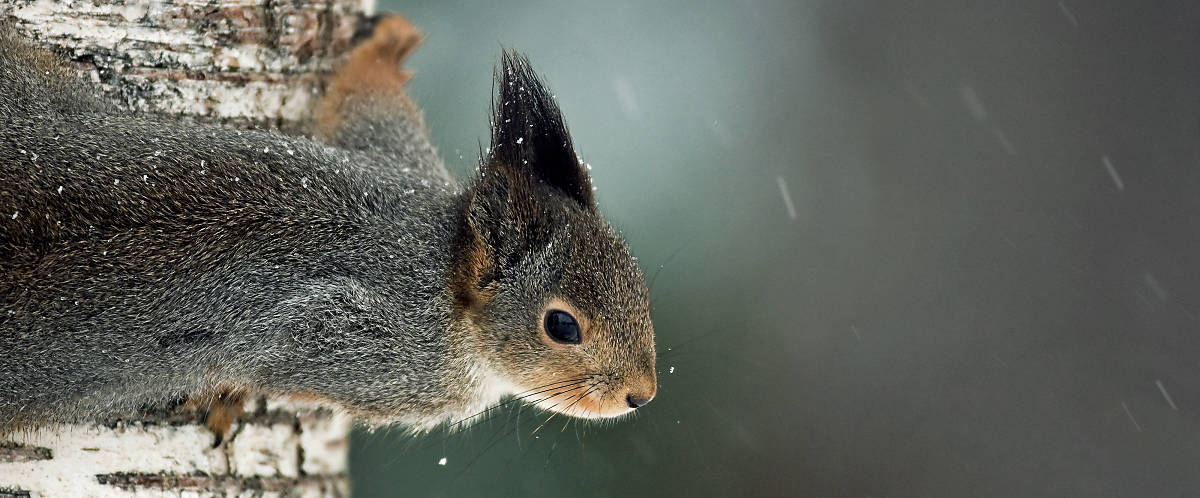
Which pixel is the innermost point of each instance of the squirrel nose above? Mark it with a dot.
(636, 400)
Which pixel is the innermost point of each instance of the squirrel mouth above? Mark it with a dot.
(585, 400)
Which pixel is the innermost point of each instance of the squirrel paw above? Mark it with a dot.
(221, 407)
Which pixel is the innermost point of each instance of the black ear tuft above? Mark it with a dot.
(528, 132)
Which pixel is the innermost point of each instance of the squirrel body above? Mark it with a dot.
(146, 259)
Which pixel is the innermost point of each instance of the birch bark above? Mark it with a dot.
(245, 63)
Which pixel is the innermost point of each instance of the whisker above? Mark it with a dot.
(707, 334)
(577, 399)
(501, 436)
(552, 414)
(566, 423)
(492, 443)
(567, 410)
(524, 395)
(552, 447)
(573, 381)
(561, 389)
(664, 263)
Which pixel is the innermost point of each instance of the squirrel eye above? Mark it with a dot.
(562, 327)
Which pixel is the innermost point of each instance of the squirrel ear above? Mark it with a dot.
(529, 136)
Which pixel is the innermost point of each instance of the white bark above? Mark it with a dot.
(239, 62)
(276, 449)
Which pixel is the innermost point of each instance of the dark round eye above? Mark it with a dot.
(562, 327)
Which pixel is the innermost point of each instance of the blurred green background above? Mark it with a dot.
(922, 248)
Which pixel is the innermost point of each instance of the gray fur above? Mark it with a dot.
(145, 258)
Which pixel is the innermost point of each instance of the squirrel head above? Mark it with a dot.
(557, 306)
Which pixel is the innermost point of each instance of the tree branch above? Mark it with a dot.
(242, 63)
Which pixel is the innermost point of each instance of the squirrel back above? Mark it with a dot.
(145, 258)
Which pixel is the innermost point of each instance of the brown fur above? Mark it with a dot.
(374, 67)
(468, 286)
(370, 330)
(222, 404)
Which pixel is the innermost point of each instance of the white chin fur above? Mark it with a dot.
(491, 389)
(576, 412)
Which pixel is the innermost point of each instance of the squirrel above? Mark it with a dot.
(146, 259)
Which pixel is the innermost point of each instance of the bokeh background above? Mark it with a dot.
(911, 248)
